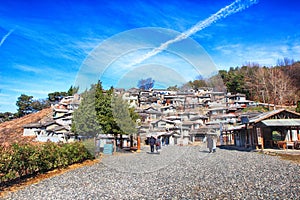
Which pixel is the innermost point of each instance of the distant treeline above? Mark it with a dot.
(278, 85)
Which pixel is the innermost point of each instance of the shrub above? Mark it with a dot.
(20, 160)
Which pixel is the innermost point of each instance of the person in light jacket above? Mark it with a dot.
(209, 141)
(158, 144)
(214, 148)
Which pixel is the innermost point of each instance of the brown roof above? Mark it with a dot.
(12, 131)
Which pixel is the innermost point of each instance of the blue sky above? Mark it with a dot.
(44, 44)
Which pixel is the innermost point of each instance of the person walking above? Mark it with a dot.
(157, 143)
(209, 141)
(152, 141)
(163, 141)
(214, 147)
(167, 141)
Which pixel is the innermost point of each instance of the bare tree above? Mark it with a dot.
(281, 86)
(257, 81)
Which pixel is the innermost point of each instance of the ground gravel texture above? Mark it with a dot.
(176, 172)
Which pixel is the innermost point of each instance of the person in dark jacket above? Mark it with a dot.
(152, 141)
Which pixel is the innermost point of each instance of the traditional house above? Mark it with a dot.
(173, 99)
(278, 128)
(232, 98)
(31, 129)
(216, 111)
(64, 120)
(58, 112)
(49, 131)
(281, 133)
(201, 119)
(168, 109)
(149, 114)
(199, 134)
(163, 124)
(187, 115)
(229, 118)
(56, 134)
(217, 96)
(204, 99)
(131, 98)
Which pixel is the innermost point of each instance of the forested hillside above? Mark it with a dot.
(279, 84)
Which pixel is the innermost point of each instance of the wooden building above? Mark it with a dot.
(274, 129)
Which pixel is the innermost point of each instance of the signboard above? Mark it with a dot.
(259, 136)
(108, 149)
(244, 119)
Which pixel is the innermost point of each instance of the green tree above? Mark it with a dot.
(196, 84)
(24, 104)
(124, 116)
(104, 110)
(298, 107)
(40, 104)
(56, 96)
(173, 88)
(6, 116)
(72, 90)
(85, 120)
(101, 112)
(234, 80)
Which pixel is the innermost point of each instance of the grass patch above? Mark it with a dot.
(290, 157)
(255, 109)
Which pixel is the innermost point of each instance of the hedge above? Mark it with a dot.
(19, 160)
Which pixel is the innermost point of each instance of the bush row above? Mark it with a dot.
(20, 160)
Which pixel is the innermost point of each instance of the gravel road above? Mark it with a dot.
(176, 172)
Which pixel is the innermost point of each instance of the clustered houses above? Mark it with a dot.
(181, 118)
(56, 128)
(184, 117)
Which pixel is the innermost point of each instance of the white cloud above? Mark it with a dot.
(4, 95)
(232, 55)
(5, 36)
(234, 7)
(30, 92)
(27, 68)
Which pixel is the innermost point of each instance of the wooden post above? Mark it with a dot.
(138, 143)
(121, 141)
(246, 135)
(131, 140)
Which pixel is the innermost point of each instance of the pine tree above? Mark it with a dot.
(104, 111)
(101, 112)
(85, 120)
(123, 116)
(24, 104)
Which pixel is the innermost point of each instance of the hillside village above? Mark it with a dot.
(181, 118)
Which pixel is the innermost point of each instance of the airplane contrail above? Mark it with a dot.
(5, 36)
(234, 7)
